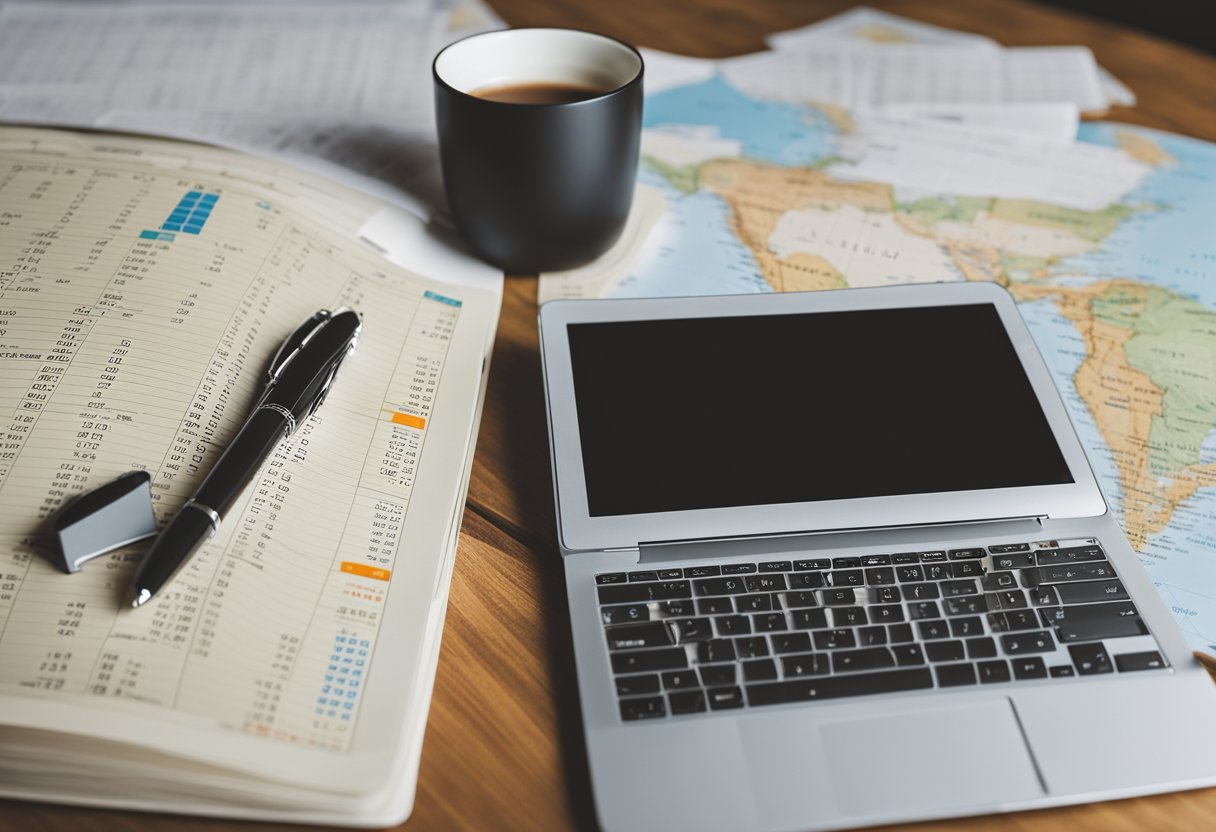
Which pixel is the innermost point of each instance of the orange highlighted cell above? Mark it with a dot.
(409, 420)
(365, 571)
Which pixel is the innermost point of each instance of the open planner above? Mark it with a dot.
(286, 672)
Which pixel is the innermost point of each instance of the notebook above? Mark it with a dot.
(285, 674)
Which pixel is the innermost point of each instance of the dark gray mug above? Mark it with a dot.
(539, 187)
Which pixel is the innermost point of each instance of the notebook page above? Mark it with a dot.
(143, 287)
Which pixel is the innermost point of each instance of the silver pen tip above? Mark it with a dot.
(141, 598)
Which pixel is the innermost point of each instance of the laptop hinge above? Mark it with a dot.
(909, 537)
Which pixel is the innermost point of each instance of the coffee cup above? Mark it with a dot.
(539, 131)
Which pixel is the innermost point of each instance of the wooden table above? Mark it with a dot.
(504, 746)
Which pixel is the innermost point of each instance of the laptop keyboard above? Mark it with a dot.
(716, 637)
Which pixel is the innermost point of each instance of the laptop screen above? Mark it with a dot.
(701, 413)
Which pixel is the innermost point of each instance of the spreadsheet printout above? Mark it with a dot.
(144, 287)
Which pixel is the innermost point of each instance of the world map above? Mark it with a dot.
(1121, 299)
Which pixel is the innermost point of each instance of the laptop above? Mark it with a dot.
(838, 558)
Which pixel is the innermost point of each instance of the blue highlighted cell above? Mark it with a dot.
(191, 229)
(172, 226)
(209, 199)
(193, 194)
(435, 296)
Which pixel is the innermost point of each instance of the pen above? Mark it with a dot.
(299, 378)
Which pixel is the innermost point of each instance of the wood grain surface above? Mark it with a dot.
(504, 747)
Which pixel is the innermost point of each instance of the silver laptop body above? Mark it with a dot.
(838, 559)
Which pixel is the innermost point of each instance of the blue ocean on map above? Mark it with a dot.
(786, 134)
(1170, 243)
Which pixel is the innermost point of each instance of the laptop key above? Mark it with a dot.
(1005, 548)
(1062, 671)
(965, 605)
(611, 578)
(754, 603)
(846, 577)
(716, 606)
(738, 569)
(1029, 667)
(899, 633)
(872, 636)
(1018, 644)
(733, 625)
(867, 658)
(776, 566)
(954, 675)
(833, 687)
(670, 574)
(722, 699)
(921, 592)
(719, 586)
(1091, 591)
(880, 576)
(644, 576)
(1018, 561)
(905, 558)
(833, 639)
(806, 580)
(693, 629)
(678, 679)
(945, 651)
(632, 593)
(932, 557)
(1090, 659)
(638, 636)
(641, 661)
(998, 580)
(676, 609)
(815, 619)
(759, 670)
(715, 675)
(885, 595)
(933, 630)
(765, 583)
(936, 571)
(1067, 573)
(791, 642)
(909, 574)
(838, 597)
(715, 650)
(812, 664)
(981, 648)
(908, 654)
(846, 563)
(751, 647)
(702, 571)
(887, 613)
(649, 707)
(686, 702)
(967, 569)
(1149, 660)
(994, 671)
(952, 589)
(812, 563)
(967, 554)
(625, 613)
(848, 616)
(801, 598)
(768, 622)
(966, 627)
(636, 685)
(1076, 554)
(876, 560)
(924, 609)
(1046, 596)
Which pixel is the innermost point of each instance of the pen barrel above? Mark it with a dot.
(238, 465)
(188, 529)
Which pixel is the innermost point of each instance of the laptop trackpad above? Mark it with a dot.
(915, 760)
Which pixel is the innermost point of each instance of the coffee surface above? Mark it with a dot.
(539, 93)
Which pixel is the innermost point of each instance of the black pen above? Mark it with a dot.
(300, 376)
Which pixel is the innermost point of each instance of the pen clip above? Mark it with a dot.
(293, 343)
